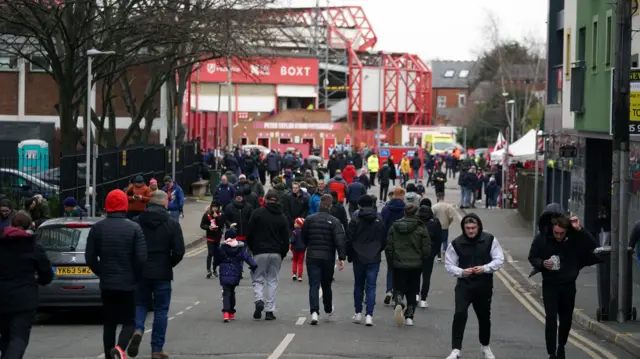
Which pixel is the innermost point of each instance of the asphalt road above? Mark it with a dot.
(196, 329)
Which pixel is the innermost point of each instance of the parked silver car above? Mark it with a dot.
(74, 284)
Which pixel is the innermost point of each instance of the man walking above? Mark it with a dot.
(407, 248)
(268, 239)
(323, 235)
(117, 253)
(393, 211)
(445, 213)
(365, 240)
(473, 257)
(434, 229)
(176, 197)
(165, 249)
(561, 240)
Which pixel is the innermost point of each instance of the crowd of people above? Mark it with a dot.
(134, 249)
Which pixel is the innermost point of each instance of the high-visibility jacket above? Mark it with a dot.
(373, 164)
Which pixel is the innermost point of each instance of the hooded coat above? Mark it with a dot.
(393, 211)
(165, 243)
(408, 244)
(269, 230)
(575, 251)
(20, 257)
(349, 174)
(412, 198)
(365, 237)
(230, 262)
(433, 226)
(238, 213)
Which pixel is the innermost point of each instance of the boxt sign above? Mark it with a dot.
(278, 71)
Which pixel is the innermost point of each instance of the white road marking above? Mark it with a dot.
(189, 307)
(196, 303)
(179, 313)
(101, 356)
(148, 331)
(301, 320)
(172, 318)
(282, 346)
(194, 252)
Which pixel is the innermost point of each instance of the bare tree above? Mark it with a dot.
(162, 35)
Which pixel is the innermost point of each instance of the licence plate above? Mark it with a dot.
(73, 271)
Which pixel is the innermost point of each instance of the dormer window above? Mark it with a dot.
(449, 73)
(463, 74)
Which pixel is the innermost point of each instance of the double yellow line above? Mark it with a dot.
(534, 307)
(197, 250)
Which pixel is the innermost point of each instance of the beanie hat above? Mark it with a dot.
(116, 201)
(71, 202)
(230, 233)
(425, 202)
(138, 179)
(411, 187)
(153, 181)
(365, 201)
(299, 222)
(410, 210)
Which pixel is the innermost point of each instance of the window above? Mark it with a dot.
(8, 63)
(61, 239)
(567, 56)
(582, 44)
(38, 63)
(462, 100)
(442, 101)
(608, 38)
(449, 73)
(464, 74)
(442, 146)
(594, 44)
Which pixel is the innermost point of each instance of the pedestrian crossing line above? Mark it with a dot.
(535, 308)
(301, 320)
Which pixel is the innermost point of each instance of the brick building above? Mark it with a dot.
(451, 82)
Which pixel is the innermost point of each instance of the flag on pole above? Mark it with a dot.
(501, 142)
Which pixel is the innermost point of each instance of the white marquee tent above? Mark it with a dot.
(523, 149)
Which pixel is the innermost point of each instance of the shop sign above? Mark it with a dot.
(295, 126)
(282, 70)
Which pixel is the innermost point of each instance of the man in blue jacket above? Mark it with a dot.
(392, 211)
(354, 192)
(224, 193)
(176, 197)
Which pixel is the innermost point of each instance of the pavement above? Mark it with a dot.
(196, 329)
(516, 235)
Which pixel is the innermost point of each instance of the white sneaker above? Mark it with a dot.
(314, 318)
(417, 297)
(439, 259)
(357, 318)
(368, 321)
(328, 315)
(486, 351)
(399, 315)
(455, 354)
(408, 322)
(424, 304)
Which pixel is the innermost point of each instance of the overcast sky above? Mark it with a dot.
(444, 29)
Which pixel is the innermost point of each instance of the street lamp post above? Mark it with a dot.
(512, 120)
(380, 100)
(90, 203)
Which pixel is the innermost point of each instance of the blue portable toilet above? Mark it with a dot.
(33, 156)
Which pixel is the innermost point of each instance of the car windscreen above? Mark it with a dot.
(62, 239)
(441, 146)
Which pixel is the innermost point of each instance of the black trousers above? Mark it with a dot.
(384, 191)
(427, 269)
(263, 176)
(353, 206)
(229, 299)
(273, 174)
(213, 251)
(406, 283)
(559, 301)
(480, 299)
(15, 329)
(320, 272)
(119, 309)
(372, 178)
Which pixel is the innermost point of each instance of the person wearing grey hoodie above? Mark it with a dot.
(412, 196)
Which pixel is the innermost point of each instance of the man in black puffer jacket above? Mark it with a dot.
(433, 226)
(20, 258)
(323, 235)
(117, 253)
(165, 249)
(269, 242)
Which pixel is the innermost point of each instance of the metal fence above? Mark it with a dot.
(117, 167)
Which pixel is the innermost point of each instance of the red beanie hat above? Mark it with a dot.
(299, 222)
(116, 201)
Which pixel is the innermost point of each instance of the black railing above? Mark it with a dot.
(117, 167)
(578, 74)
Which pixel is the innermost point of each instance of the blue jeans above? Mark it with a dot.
(465, 200)
(158, 291)
(415, 174)
(445, 240)
(389, 278)
(175, 215)
(365, 278)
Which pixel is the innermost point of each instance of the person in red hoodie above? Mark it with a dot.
(338, 185)
(349, 173)
(213, 223)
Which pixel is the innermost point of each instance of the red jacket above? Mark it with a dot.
(339, 186)
(349, 173)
